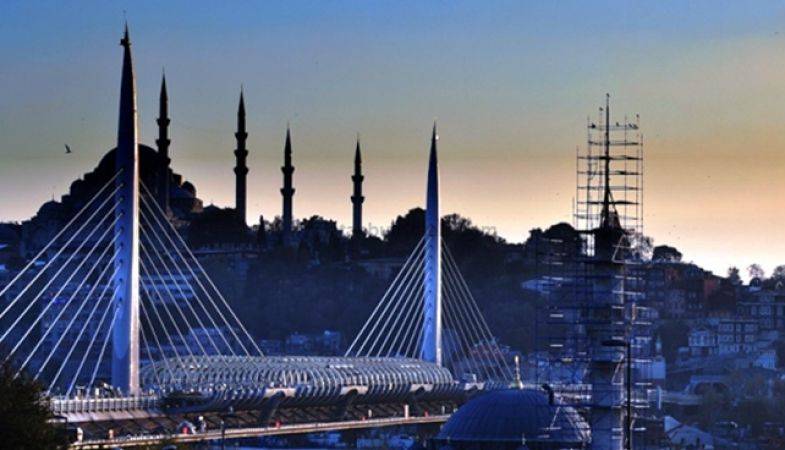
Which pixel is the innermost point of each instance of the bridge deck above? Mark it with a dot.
(239, 433)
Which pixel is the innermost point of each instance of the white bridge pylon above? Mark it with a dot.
(116, 288)
(428, 311)
(117, 292)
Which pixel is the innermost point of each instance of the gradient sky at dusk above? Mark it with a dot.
(510, 82)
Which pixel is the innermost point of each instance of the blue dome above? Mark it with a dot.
(515, 418)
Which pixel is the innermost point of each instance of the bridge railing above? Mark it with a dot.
(62, 406)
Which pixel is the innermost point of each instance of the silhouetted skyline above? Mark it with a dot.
(510, 83)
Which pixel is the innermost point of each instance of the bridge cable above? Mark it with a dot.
(459, 327)
(409, 312)
(165, 361)
(57, 235)
(470, 334)
(146, 346)
(175, 325)
(207, 277)
(398, 304)
(60, 289)
(176, 303)
(190, 287)
(103, 350)
(479, 321)
(370, 320)
(158, 295)
(56, 255)
(170, 275)
(74, 316)
(474, 336)
(101, 297)
(386, 301)
(89, 347)
(413, 335)
(408, 319)
(503, 365)
(194, 292)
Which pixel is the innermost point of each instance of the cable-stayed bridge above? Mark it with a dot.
(124, 328)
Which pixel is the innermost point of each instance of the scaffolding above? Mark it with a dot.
(595, 333)
(609, 176)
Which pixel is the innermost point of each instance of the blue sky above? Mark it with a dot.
(511, 84)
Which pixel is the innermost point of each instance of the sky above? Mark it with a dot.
(510, 82)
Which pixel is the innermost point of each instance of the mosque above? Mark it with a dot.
(177, 196)
(517, 418)
(514, 418)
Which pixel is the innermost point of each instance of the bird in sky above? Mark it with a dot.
(67, 149)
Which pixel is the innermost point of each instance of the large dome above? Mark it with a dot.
(514, 419)
(149, 161)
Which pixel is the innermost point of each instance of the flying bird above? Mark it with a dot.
(67, 149)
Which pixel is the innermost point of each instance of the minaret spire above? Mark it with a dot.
(287, 191)
(125, 332)
(357, 195)
(240, 169)
(605, 219)
(432, 323)
(163, 146)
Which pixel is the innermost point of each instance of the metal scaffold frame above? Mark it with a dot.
(592, 307)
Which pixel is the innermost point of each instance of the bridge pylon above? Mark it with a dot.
(431, 350)
(125, 333)
(428, 312)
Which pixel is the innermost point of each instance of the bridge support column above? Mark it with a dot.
(432, 324)
(269, 408)
(340, 409)
(125, 333)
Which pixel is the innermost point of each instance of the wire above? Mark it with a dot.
(207, 277)
(107, 284)
(60, 233)
(196, 297)
(56, 255)
(74, 316)
(89, 347)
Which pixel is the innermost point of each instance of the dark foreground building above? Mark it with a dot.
(514, 419)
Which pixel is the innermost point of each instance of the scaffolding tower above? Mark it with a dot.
(594, 333)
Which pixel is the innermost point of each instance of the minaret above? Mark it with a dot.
(357, 196)
(287, 191)
(606, 319)
(163, 146)
(125, 332)
(605, 219)
(432, 323)
(240, 169)
(610, 232)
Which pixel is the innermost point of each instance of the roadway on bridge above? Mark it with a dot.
(240, 433)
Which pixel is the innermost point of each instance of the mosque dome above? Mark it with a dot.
(51, 209)
(188, 187)
(514, 419)
(148, 160)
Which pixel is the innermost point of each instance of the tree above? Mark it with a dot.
(643, 247)
(218, 226)
(25, 414)
(733, 275)
(779, 273)
(756, 271)
(666, 253)
(405, 232)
